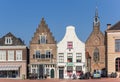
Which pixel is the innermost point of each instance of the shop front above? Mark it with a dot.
(78, 71)
(69, 71)
(9, 71)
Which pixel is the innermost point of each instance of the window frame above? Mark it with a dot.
(41, 39)
(78, 57)
(8, 40)
(49, 54)
(19, 54)
(2, 55)
(69, 56)
(117, 45)
(11, 56)
(69, 45)
(61, 57)
(37, 54)
(117, 64)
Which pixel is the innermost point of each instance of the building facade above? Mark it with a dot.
(113, 48)
(43, 50)
(95, 48)
(13, 57)
(70, 55)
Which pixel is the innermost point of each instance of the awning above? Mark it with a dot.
(9, 67)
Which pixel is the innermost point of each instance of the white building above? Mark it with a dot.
(70, 55)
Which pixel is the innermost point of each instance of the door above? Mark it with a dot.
(61, 72)
(52, 73)
(41, 71)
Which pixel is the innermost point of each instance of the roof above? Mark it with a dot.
(115, 27)
(15, 40)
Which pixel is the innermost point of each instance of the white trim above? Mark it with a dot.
(19, 54)
(11, 55)
(113, 33)
(2, 55)
(8, 40)
(13, 47)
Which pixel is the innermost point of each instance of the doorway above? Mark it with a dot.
(61, 73)
(52, 73)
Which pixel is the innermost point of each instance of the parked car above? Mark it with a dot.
(96, 75)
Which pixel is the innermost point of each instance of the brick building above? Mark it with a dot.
(13, 57)
(43, 50)
(95, 47)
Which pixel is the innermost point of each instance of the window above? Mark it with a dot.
(70, 68)
(48, 54)
(69, 57)
(117, 65)
(2, 55)
(69, 45)
(61, 57)
(34, 68)
(42, 39)
(11, 55)
(38, 54)
(78, 57)
(47, 71)
(117, 45)
(78, 70)
(18, 55)
(34, 71)
(8, 40)
(43, 56)
(96, 55)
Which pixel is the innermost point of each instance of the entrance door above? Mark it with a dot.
(41, 71)
(61, 72)
(52, 73)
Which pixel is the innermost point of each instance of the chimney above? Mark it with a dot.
(108, 26)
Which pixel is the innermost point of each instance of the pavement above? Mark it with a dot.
(63, 80)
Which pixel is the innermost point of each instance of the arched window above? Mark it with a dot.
(96, 55)
(117, 64)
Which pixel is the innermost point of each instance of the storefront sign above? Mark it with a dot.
(69, 64)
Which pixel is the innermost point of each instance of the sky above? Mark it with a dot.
(22, 17)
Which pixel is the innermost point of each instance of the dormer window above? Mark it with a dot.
(42, 39)
(8, 40)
